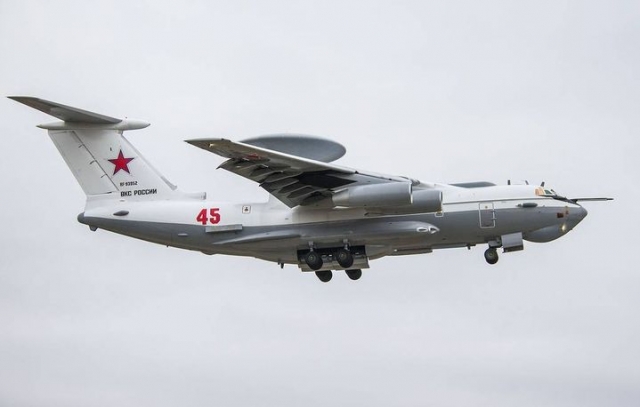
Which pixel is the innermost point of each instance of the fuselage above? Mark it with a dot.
(274, 232)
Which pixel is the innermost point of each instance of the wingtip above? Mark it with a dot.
(21, 99)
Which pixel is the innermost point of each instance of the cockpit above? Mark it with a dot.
(541, 191)
(550, 193)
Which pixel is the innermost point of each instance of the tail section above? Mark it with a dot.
(103, 161)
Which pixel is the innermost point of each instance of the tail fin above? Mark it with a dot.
(104, 163)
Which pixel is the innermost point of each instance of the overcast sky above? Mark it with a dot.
(439, 91)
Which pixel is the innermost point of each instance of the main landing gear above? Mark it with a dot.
(354, 274)
(343, 256)
(491, 255)
(326, 275)
(314, 261)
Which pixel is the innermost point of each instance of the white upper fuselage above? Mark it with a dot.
(272, 213)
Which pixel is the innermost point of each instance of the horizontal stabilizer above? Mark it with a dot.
(66, 113)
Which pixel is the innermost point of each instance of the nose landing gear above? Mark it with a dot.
(491, 255)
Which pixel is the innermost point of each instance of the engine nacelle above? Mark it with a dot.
(391, 198)
(376, 195)
(427, 200)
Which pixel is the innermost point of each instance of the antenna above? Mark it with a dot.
(542, 185)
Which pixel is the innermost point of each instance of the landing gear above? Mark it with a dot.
(325, 275)
(314, 261)
(354, 274)
(325, 260)
(344, 258)
(491, 255)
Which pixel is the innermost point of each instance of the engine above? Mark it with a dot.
(427, 200)
(390, 198)
(376, 195)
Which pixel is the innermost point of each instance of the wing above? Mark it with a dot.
(292, 179)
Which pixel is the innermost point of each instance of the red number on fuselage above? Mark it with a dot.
(213, 218)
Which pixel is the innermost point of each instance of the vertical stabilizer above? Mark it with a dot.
(104, 162)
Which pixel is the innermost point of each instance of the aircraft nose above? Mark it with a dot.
(581, 213)
(576, 215)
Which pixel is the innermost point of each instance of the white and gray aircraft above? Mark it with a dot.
(320, 216)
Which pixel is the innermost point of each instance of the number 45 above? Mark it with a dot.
(213, 216)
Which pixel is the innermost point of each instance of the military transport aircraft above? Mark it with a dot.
(320, 216)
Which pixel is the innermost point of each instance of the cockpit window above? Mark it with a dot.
(545, 192)
(550, 193)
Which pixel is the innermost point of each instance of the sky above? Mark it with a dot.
(439, 91)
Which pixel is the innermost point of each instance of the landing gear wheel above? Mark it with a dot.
(314, 261)
(491, 255)
(344, 258)
(324, 276)
(354, 274)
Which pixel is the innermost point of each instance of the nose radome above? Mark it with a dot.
(576, 215)
(582, 213)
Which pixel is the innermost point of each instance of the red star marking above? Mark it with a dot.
(121, 163)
